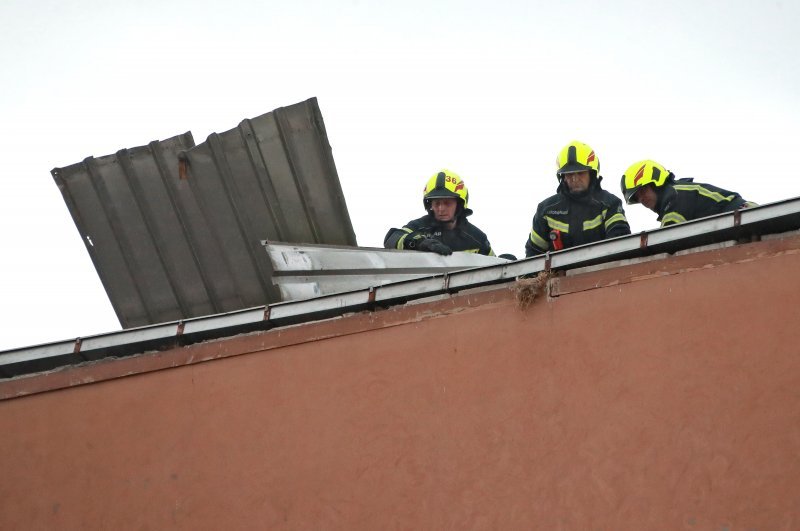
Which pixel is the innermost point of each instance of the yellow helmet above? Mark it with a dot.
(640, 174)
(445, 183)
(577, 156)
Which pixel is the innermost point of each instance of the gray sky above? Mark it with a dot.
(491, 90)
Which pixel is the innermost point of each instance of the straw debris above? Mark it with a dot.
(526, 289)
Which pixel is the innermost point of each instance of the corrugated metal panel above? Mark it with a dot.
(175, 230)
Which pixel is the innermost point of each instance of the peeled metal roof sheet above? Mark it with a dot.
(174, 230)
(305, 271)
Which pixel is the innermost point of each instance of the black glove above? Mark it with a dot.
(434, 246)
(412, 240)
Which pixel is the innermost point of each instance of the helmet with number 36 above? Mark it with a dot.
(445, 183)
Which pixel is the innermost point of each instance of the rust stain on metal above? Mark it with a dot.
(737, 218)
(183, 167)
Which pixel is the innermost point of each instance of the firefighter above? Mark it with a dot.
(445, 227)
(581, 211)
(675, 200)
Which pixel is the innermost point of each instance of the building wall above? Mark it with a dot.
(663, 395)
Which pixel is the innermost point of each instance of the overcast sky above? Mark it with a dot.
(491, 90)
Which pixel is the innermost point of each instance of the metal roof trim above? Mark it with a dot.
(784, 215)
(136, 335)
(770, 211)
(673, 233)
(582, 254)
(411, 288)
(48, 350)
(345, 302)
(227, 320)
(480, 276)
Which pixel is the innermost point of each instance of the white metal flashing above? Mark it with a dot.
(773, 218)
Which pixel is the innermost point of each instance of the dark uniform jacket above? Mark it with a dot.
(576, 219)
(684, 200)
(464, 237)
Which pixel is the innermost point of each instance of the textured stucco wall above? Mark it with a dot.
(663, 395)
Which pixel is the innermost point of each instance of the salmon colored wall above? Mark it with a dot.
(666, 398)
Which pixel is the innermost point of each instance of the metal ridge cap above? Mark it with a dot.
(491, 274)
(90, 343)
(704, 226)
(220, 321)
(36, 352)
(300, 311)
(143, 334)
(609, 249)
(785, 207)
(343, 302)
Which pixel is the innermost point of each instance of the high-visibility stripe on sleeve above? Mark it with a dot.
(590, 224)
(615, 218)
(557, 225)
(401, 241)
(716, 196)
(672, 218)
(538, 241)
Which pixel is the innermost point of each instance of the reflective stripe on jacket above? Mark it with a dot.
(578, 219)
(465, 237)
(685, 200)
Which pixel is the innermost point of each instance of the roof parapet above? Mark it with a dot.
(744, 225)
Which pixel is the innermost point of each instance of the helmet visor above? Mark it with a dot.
(630, 195)
(573, 167)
